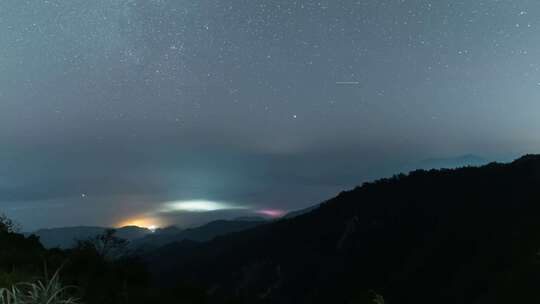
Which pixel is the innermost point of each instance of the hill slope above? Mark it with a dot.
(467, 235)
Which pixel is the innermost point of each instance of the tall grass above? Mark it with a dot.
(49, 291)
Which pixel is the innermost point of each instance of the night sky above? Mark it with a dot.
(158, 112)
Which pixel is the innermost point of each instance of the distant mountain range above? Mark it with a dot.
(468, 235)
(66, 237)
(202, 233)
(143, 238)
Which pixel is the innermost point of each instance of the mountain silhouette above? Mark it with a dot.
(468, 235)
(460, 161)
(142, 238)
(202, 233)
(66, 237)
(300, 212)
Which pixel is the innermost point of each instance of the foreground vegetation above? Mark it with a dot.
(50, 291)
(98, 271)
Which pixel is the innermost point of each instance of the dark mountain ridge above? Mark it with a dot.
(460, 161)
(468, 235)
(202, 233)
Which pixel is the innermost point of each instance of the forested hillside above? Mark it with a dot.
(467, 235)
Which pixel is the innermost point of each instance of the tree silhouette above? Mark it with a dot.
(106, 245)
(7, 225)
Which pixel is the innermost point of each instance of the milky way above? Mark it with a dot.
(111, 109)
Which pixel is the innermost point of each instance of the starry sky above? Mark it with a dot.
(159, 112)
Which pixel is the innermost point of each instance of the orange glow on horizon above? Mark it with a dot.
(149, 223)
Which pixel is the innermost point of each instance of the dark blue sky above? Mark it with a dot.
(177, 111)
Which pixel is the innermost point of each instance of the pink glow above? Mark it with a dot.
(274, 213)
